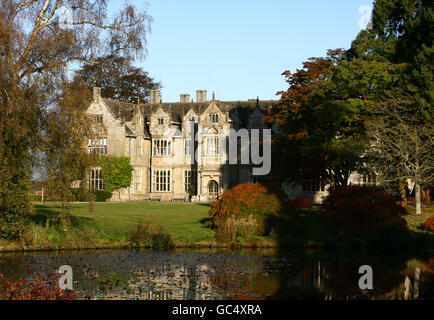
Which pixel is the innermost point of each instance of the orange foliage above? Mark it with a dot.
(430, 265)
(242, 202)
(39, 289)
(300, 203)
(429, 224)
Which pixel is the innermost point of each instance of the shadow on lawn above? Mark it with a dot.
(306, 228)
(49, 215)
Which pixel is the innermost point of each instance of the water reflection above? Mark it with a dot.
(225, 274)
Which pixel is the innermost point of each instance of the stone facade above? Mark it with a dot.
(157, 137)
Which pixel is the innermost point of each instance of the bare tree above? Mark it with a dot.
(404, 142)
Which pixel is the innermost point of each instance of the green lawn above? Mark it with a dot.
(115, 221)
(414, 221)
(112, 224)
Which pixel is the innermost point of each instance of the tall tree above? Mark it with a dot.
(64, 157)
(36, 51)
(321, 116)
(118, 79)
(401, 143)
(402, 33)
(291, 147)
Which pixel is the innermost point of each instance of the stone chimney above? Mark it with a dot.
(96, 93)
(185, 98)
(201, 96)
(155, 97)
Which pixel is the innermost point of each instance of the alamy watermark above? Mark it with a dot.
(220, 146)
(65, 280)
(366, 282)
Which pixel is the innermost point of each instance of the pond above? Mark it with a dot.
(230, 274)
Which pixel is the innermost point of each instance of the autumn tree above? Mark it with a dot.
(37, 49)
(292, 147)
(321, 117)
(64, 160)
(118, 79)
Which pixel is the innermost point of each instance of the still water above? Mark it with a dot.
(231, 274)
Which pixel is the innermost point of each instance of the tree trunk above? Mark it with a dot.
(406, 289)
(416, 283)
(402, 191)
(417, 197)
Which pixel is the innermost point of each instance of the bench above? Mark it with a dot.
(154, 197)
(180, 196)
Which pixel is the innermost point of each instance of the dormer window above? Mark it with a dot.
(214, 118)
(160, 121)
(98, 118)
(98, 146)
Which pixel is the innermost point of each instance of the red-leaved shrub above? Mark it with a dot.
(364, 211)
(39, 289)
(429, 224)
(429, 265)
(237, 209)
(300, 203)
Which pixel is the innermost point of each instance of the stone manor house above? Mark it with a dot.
(157, 138)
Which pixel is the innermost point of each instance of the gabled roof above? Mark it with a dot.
(119, 109)
(129, 132)
(177, 110)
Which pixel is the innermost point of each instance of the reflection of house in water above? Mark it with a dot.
(173, 282)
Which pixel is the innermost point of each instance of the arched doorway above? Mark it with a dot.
(213, 190)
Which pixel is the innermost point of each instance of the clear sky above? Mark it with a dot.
(239, 48)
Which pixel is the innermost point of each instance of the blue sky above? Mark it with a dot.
(239, 48)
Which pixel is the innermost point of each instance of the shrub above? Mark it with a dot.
(39, 289)
(233, 213)
(151, 236)
(14, 213)
(15, 205)
(34, 198)
(117, 173)
(79, 194)
(429, 265)
(233, 228)
(99, 195)
(102, 196)
(363, 211)
(300, 203)
(429, 224)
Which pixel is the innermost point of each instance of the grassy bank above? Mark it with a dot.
(112, 225)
